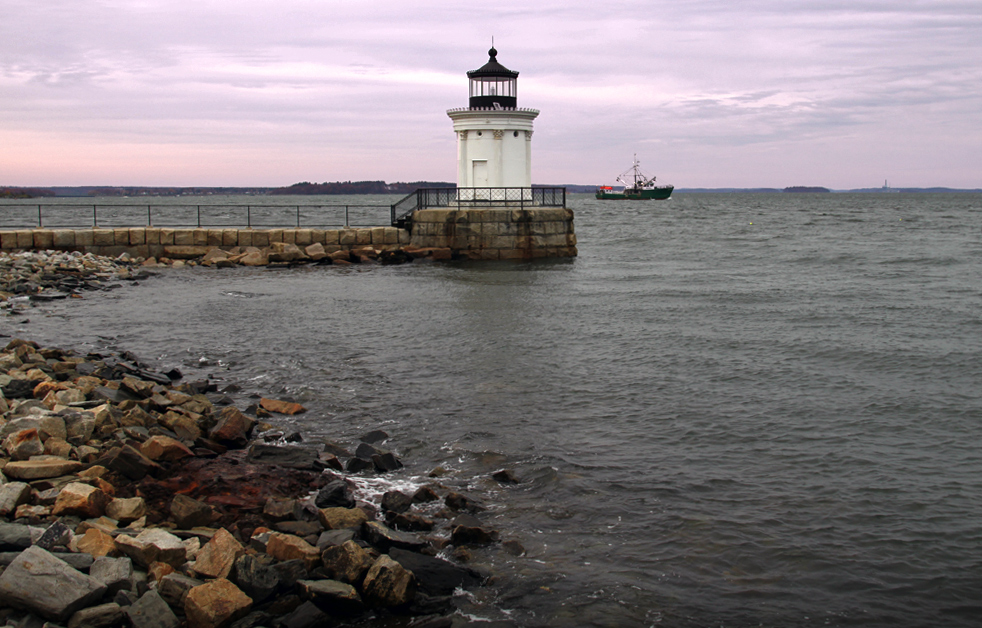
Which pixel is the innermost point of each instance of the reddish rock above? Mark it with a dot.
(388, 584)
(339, 518)
(165, 448)
(23, 444)
(289, 547)
(97, 543)
(347, 562)
(216, 558)
(215, 604)
(281, 407)
(81, 500)
(232, 428)
(126, 510)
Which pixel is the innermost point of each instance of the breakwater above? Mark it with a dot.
(489, 234)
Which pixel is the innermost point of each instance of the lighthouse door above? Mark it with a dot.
(480, 173)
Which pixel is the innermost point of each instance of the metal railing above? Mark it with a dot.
(466, 198)
(79, 216)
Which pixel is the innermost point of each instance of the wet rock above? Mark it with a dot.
(396, 502)
(290, 571)
(435, 576)
(232, 428)
(215, 604)
(281, 407)
(299, 528)
(357, 465)
(458, 501)
(388, 584)
(280, 509)
(330, 538)
(291, 457)
(410, 522)
(189, 513)
(336, 450)
(425, 494)
(335, 494)
(347, 562)
(336, 598)
(506, 476)
(218, 556)
(338, 518)
(255, 578)
(384, 538)
(40, 582)
(469, 530)
(151, 611)
(513, 547)
(386, 462)
(375, 436)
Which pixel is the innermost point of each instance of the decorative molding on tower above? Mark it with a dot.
(498, 134)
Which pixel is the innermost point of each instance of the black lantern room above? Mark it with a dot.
(493, 86)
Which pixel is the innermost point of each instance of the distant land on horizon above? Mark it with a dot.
(381, 187)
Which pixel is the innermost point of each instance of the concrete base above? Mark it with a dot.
(493, 233)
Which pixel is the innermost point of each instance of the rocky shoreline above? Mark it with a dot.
(129, 497)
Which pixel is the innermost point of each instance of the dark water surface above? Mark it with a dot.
(730, 410)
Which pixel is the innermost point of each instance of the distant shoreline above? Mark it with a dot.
(380, 187)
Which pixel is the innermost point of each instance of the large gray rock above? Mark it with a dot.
(256, 578)
(151, 545)
(40, 582)
(336, 598)
(435, 576)
(115, 573)
(151, 611)
(388, 584)
(383, 537)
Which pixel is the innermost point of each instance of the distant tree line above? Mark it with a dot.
(359, 187)
(7, 192)
(806, 189)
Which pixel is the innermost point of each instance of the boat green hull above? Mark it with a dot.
(656, 194)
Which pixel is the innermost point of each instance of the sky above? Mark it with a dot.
(707, 93)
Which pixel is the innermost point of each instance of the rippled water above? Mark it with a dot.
(729, 410)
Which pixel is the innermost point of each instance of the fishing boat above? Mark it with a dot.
(637, 187)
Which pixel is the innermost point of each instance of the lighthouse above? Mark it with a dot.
(494, 136)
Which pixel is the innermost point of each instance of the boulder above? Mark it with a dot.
(12, 495)
(386, 462)
(316, 251)
(126, 510)
(336, 493)
(307, 615)
(129, 462)
(396, 502)
(409, 522)
(189, 513)
(388, 584)
(58, 534)
(153, 545)
(254, 257)
(115, 573)
(102, 616)
(383, 538)
(82, 500)
(435, 576)
(336, 598)
(506, 476)
(469, 530)
(255, 578)
(162, 447)
(215, 604)
(23, 444)
(218, 556)
(281, 407)
(232, 428)
(280, 509)
(347, 562)
(97, 543)
(174, 587)
(288, 547)
(290, 457)
(151, 611)
(41, 468)
(339, 518)
(459, 501)
(39, 582)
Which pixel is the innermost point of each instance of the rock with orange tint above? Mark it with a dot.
(162, 447)
(289, 547)
(281, 407)
(216, 558)
(23, 444)
(97, 543)
(215, 604)
(81, 500)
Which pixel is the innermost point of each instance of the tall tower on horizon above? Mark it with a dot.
(494, 136)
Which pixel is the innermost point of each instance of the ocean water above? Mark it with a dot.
(729, 410)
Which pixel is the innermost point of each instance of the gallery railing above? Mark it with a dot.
(66, 215)
(465, 198)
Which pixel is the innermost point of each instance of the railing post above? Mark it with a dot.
(249, 216)
(95, 218)
(199, 216)
(298, 216)
(40, 226)
(345, 216)
(149, 217)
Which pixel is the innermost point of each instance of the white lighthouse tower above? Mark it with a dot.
(494, 136)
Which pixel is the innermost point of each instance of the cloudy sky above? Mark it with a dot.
(708, 93)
